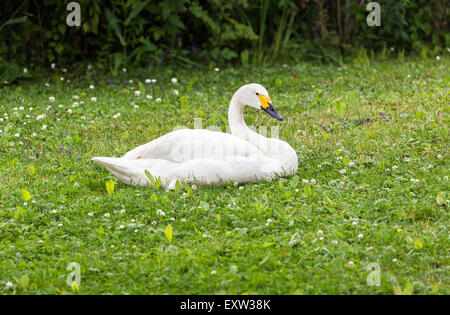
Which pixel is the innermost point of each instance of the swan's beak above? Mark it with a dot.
(266, 105)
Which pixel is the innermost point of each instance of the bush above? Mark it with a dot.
(116, 33)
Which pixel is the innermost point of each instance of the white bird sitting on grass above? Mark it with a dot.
(210, 157)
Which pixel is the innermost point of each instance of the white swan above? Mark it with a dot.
(210, 157)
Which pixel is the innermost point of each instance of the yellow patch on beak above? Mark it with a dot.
(264, 101)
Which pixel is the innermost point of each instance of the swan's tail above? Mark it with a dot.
(124, 170)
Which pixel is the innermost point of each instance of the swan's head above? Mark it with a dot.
(255, 95)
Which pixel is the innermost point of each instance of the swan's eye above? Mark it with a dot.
(257, 93)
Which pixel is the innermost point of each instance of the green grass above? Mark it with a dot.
(257, 238)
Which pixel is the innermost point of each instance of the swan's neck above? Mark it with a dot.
(271, 147)
(237, 123)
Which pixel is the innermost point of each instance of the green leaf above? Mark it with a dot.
(91, 151)
(113, 21)
(18, 20)
(346, 160)
(278, 82)
(150, 178)
(25, 194)
(418, 244)
(158, 183)
(177, 186)
(75, 288)
(339, 108)
(31, 170)
(110, 186)
(136, 10)
(168, 233)
(307, 190)
(187, 188)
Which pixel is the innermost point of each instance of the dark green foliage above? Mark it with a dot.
(116, 33)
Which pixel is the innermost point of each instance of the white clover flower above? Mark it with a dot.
(51, 99)
(216, 69)
(193, 187)
(439, 156)
(148, 81)
(160, 213)
(305, 181)
(174, 80)
(69, 111)
(351, 264)
(343, 171)
(313, 181)
(90, 214)
(213, 272)
(64, 70)
(394, 260)
(1, 131)
(60, 225)
(53, 65)
(319, 233)
(9, 285)
(351, 164)
(136, 106)
(107, 215)
(39, 117)
(17, 135)
(124, 69)
(62, 78)
(153, 80)
(25, 70)
(75, 104)
(395, 167)
(175, 91)
(149, 96)
(158, 100)
(438, 58)
(137, 93)
(121, 226)
(91, 87)
(334, 242)
(360, 236)
(154, 223)
(407, 160)
(93, 99)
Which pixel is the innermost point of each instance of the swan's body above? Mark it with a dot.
(210, 157)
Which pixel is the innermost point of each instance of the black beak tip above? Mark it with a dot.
(272, 112)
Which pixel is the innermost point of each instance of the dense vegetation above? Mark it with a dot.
(118, 33)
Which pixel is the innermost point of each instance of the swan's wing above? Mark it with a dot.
(188, 144)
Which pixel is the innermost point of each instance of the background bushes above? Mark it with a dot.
(116, 33)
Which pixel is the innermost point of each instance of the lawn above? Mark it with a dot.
(372, 185)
